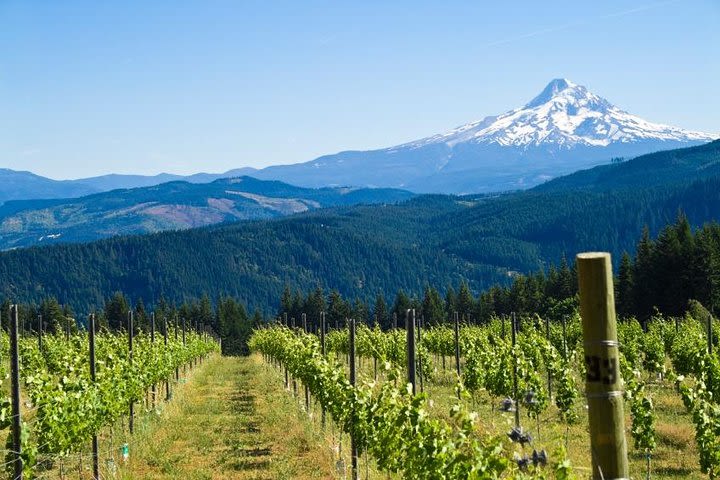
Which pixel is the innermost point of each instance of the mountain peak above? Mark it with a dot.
(563, 116)
(559, 84)
(553, 89)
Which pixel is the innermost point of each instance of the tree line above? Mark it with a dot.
(227, 318)
(664, 275)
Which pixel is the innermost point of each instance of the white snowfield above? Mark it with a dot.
(566, 115)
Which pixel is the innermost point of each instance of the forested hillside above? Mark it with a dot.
(169, 206)
(655, 169)
(363, 250)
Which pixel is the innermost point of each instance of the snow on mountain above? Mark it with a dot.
(564, 129)
(564, 114)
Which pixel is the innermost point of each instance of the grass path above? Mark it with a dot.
(231, 420)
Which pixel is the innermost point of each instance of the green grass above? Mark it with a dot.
(230, 419)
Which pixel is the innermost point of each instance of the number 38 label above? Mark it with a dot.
(601, 369)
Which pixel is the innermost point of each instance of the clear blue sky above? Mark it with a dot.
(92, 87)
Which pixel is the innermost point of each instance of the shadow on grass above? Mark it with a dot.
(242, 456)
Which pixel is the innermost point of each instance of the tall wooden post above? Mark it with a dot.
(603, 380)
(152, 340)
(177, 334)
(419, 343)
(353, 379)
(709, 334)
(549, 373)
(95, 453)
(307, 390)
(564, 328)
(168, 392)
(131, 418)
(515, 368)
(410, 326)
(15, 387)
(322, 350)
(457, 342)
(40, 333)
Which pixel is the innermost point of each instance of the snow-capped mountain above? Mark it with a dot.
(566, 115)
(563, 129)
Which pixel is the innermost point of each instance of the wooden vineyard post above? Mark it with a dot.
(131, 419)
(307, 390)
(375, 326)
(294, 383)
(410, 326)
(40, 333)
(168, 392)
(419, 342)
(353, 379)
(515, 368)
(709, 343)
(152, 340)
(457, 342)
(395, 325)
(15, 386)
(603, 381)
(564, 328)
(502, 334)
(193, 362)
(322, 350)
(287, 378)
(184, 326)
(709, 334)
(177, 369)
(95, 454)
(549, 373)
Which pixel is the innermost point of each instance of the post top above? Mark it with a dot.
(592, 255)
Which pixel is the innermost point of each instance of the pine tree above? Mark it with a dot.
(433, 307)
(314, 305)
(381, 313)
(625, 286)
(338, 310)
(360, 311)
(286, 302)
(401, 306)
(140, 318)
(52, 315)
(116, 311)
(465, 302)
(643, 276)
(450, 302)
